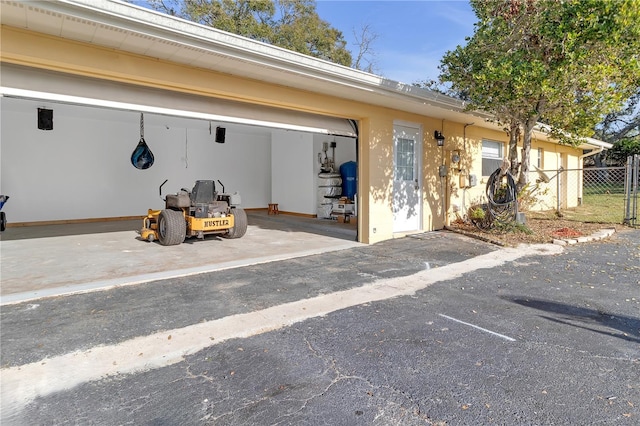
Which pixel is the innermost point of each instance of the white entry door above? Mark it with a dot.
(407, 190)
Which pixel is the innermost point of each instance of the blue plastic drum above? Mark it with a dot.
(349, 173)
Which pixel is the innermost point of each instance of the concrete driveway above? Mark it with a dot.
(63, 259)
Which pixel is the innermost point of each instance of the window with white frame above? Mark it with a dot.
(492, 154)
(540, 164)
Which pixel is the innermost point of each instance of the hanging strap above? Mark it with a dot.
(141, 126)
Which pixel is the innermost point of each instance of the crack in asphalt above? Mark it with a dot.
(22, 384)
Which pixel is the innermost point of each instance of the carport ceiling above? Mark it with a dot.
(127, 27)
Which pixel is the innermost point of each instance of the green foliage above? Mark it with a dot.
(476, 213)
(622, 128)
(512, 227)
(290, 24)
(300, 29)
(623, 149)
(564, 63)
(531, 195)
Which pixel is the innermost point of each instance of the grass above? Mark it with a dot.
(596, 189)
(599, 208)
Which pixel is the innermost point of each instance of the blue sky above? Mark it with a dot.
(412, 35)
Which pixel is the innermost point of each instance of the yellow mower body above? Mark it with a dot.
(195, 213)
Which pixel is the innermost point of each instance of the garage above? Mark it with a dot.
(71, 149)
(84, 81)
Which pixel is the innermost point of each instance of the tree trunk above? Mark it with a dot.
(526, 154)
(514, 139)
(599, 159)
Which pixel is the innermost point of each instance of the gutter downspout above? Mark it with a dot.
(443, 185)
(590, 153)
(464, 190)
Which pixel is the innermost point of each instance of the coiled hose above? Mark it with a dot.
(502, 203)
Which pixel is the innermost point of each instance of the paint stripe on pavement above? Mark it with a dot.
(22, 384)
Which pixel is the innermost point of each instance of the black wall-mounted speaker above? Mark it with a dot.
(45, 119)
(220, 134)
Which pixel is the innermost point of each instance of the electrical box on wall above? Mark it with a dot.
(468, 181)
(455, 161)
(442, 171)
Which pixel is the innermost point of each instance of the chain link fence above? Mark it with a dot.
(594, 194)
(631, 185)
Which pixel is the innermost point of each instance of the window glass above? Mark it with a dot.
(540, 156)
(405, 160)
(492, 154)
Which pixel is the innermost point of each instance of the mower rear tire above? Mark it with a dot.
(172, 228)
(239, 224)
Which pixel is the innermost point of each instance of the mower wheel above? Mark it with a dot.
(239, 224)
(3, 221)
(172, 228)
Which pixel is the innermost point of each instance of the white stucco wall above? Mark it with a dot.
(292, 182)
(81, 169)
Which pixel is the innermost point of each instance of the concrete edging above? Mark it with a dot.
(601, 234)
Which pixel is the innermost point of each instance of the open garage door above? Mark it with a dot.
(80, 169)
(29, 83)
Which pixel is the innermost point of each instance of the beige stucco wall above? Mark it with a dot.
(545, 195)
(375, 169)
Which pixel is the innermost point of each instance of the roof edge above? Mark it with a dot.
(141, 19)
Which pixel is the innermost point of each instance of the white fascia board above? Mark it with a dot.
(130, 17)
(589, 143)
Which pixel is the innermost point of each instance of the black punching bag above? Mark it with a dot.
(142, 157)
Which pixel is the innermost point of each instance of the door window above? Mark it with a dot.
(405, 160)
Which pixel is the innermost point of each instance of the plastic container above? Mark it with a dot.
(324, 211)
(329, 179)
(349, 174)
(326, 194)
(329, 189)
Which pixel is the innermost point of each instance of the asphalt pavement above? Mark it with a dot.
(435, 328)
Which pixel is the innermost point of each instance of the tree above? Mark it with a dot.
(290, 24)
(564, 63)
(365, 59)
(622, 129)
(300, 29)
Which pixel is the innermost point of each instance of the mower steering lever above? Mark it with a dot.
(161, 185)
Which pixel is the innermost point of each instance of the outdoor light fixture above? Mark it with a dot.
(439, 138)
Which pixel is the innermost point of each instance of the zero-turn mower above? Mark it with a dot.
(196, 213)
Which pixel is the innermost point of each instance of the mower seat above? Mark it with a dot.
(204, 192)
